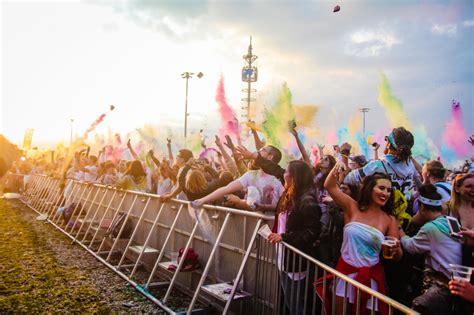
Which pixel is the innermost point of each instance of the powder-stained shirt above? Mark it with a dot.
(434, 241)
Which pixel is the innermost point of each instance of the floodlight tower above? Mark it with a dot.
(249, 76)
(187, 76)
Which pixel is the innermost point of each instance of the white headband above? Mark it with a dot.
(430, 202)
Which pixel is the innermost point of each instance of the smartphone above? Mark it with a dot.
(374, 144)
(454, 227)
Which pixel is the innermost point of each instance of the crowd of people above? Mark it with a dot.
(345, 210)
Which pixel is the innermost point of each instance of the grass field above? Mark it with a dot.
(41, 272)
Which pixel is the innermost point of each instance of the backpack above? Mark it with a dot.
(400, 204)
(69, 210)
(328, 249)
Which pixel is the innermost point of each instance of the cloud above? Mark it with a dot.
(468, 23)
(369, 43)
(446, 29)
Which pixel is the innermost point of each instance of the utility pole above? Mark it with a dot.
(187, 76)
(364, 110)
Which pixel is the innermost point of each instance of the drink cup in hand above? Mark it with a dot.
(460, 273)
(265, 231)
(387, 245)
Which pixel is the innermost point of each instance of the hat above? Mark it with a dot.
(359, 159)
(185, 154)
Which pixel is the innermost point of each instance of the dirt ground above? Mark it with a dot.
(42, 272)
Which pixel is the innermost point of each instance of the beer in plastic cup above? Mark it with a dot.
(460, 273)
(387, 244)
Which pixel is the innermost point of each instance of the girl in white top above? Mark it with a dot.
(368, 221)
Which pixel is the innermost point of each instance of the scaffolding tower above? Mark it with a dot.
(249, 76)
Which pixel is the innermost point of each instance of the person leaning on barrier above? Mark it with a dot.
(297, 222)
(183, 161)
(439, 248)
(134, 178)
(269, 187)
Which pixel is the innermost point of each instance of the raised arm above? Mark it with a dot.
(229, 163)
(170, 152)
(258, 142)
(132, 152)
(375, 147)
(304, 153)
(151, 155)
(219, 193)
(237, 157)
(344, 201)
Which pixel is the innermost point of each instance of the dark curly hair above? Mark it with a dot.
(365, 194)
(404, 141)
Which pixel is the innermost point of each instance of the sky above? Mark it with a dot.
(64, 60)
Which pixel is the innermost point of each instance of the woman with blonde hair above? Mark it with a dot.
(461, 205)
(134, 178)
(196, 186)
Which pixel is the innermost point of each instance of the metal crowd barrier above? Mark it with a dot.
(239, 274)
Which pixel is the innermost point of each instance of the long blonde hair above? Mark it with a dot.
(455, 202)
(195, 181)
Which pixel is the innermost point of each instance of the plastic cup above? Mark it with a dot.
(460, 273)
(265, 231)
(174, 257)
(387, 245)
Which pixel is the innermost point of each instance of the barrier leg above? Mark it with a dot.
(160, 256)
(134, 232)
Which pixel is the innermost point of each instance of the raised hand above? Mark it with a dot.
(471, 140)
(292, 127)
(246, 154)
(229, 143)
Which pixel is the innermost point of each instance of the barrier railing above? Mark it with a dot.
(136, 235)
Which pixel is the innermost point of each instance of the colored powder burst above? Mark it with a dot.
(363, 146)
(195, 142)
(447, 154)
(315, 154)
(354, 125)
(392, 105)
(118, 140)
(305, 114)
(94, 124)
(455, 135)
(275, 126)
(149, 134)
(331, 138)
(423, 146)
(230, 124)
(342, 135)
(207, 152)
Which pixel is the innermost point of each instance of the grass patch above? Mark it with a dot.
(31, 279)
